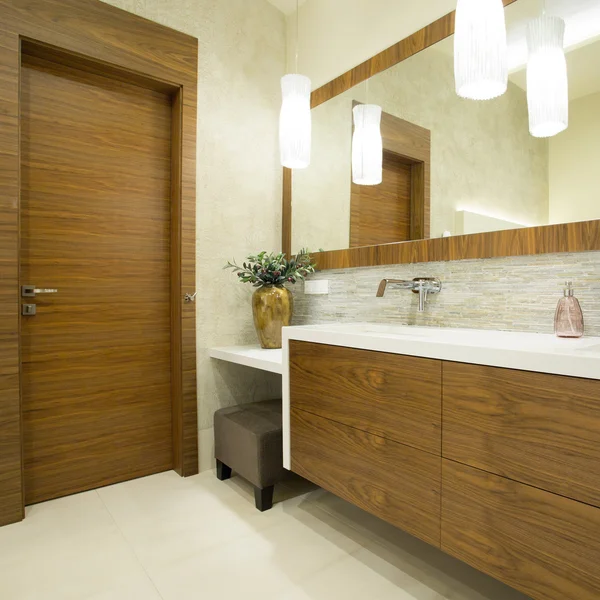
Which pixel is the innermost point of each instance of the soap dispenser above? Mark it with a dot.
(568, 320)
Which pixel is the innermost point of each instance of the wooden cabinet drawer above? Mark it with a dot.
(390, 395)
(392, 481)
(543, 430)
(545, 545)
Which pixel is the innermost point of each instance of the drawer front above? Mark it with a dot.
(394, 482)
(390, 395)
(543, 430)
(544, 545)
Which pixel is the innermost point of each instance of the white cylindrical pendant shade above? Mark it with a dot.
(367, 145)
(295, 127)
(480, 49)
(547, 80)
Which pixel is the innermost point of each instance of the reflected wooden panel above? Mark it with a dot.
(382, 213)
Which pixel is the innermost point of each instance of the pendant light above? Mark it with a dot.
(547, 79)
(480, 49)
(295, 121)
(367, 145)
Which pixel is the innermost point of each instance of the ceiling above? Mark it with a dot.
(287, 7)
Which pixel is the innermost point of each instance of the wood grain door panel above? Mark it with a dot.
(394, 482)
(545, 545)
(389, 395)
(381, 214)
(543, 430)
(96, 224)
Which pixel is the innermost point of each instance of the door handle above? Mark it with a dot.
(29, 291)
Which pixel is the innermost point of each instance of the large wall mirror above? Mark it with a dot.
(451, 166)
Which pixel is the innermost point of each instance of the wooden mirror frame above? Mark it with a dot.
(568, 237)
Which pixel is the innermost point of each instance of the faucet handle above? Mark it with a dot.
(432, 285)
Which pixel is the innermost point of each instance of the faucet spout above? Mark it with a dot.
(399, 283)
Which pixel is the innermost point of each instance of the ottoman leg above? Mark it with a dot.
(223, 471)
(264, 497)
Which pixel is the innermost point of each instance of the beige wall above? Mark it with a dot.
(482, 156)
(337, 35)
(241, 59)
(575, 164)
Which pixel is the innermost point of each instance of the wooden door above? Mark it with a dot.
(381, 214)
(95, 225)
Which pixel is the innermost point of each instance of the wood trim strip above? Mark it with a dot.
(428, 36)
(104, 39)
(286, 230)
(176, 381)
(548, 239)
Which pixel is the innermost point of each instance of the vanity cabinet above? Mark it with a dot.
(390, 480)
(395, 397)
(497, 467)
(536, 428)
(542, 544)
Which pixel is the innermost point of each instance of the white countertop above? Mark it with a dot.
(250, 356)
(543, 353)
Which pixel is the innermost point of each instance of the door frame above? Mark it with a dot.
(97, 37)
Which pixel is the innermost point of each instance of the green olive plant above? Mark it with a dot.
(273, 269)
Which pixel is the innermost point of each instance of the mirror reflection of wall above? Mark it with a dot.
(487, 172)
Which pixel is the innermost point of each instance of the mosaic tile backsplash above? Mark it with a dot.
(509, 294)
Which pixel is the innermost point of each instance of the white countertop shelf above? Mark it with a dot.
(544, 353)
(250, 356)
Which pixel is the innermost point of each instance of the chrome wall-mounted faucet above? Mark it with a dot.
(419, 285)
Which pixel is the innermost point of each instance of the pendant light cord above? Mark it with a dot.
(297, 31)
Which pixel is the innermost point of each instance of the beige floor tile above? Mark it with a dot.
(244, 569)
(66, 549)
(167, 519)
(167, 538)
(416, 563)
(136, 587)
(350, 579)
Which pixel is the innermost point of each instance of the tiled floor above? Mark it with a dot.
(163, 537)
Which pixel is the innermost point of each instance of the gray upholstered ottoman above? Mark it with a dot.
(248, 439)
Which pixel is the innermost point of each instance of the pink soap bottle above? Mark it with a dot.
(568, 320)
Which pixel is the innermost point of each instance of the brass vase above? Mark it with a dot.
(272, 308)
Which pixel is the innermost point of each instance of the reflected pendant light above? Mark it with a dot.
(547, 80)
(367, 145)
(295, 121)
(480, 49)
